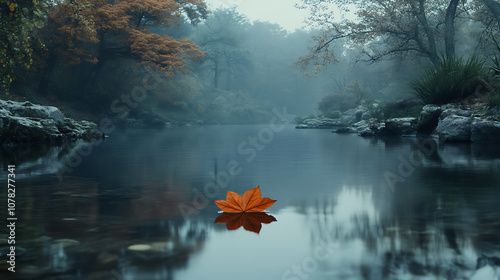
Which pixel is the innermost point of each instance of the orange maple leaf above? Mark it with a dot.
(250, 221)
(251, 201)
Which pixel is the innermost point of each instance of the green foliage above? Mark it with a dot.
(493, 99)
(450, 81)
(228, 107)
(375, 108)
(333, 114)
(496, 57)
(349, 97)
(336, 102)
(222, 39)
(357, 90)
(177, 94)
(394, 91)
(494, 96)
(18, 21)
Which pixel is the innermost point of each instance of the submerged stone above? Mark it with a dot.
(139, 247)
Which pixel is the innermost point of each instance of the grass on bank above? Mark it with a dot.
(494, 96)
(451, 80)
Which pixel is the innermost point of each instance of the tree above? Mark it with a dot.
(19, 21)
(449, 28)
(494, 7)
(383, 28)
(94, 31)
(221, 36)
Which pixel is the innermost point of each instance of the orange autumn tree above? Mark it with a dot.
(98, 30)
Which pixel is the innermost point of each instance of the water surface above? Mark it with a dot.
(348, 207)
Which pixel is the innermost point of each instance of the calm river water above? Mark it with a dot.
(139, 206)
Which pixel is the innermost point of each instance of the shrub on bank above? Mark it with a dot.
(494, 96)
(332, 114)
(336, 102)
(451, 80)
(493, 99)
(496, 57)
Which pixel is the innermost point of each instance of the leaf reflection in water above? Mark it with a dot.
(251, 221)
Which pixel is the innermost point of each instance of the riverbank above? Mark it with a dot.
(448, 123)
(28, 123)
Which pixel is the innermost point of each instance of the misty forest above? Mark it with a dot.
(186, 139)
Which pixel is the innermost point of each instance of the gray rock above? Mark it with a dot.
(50, 126)
(20, 130)
(366, 132)
(353, 116)
(27, 109)
(446, 112)
(429, 119)
(355, 128)
(454, 129)
(400, 126)
(366, 116)
(484, 131)
(29, 123)
(320, 123)
(348, 118)
(368, 128)
(451, 106)
(5, 112)
(361, 124)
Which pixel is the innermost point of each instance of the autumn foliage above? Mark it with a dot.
(97, 30)
(245, 210)
(251, 201)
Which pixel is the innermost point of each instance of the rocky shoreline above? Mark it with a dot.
(25, 122)
(448, 123)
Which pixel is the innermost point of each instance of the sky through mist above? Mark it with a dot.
(282, 12)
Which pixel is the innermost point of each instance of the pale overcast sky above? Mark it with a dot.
(281, 12)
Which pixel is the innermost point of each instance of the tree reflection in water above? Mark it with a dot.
(84, 232)
(423, 235)
(440, 223)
